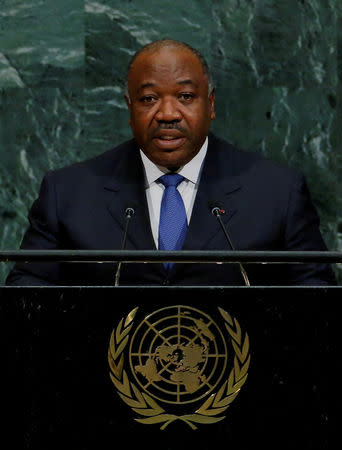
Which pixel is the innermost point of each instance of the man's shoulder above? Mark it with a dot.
(99, 165)
(242, 161)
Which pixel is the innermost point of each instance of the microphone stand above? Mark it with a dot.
(217, 213)
(128, 213)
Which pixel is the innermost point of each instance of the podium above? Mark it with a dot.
(64, 346)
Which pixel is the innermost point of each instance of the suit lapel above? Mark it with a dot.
(203, 224)
(217, 186)
(126, 189)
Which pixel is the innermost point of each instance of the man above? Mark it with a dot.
(171, 103)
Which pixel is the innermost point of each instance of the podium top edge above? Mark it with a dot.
(197, 256)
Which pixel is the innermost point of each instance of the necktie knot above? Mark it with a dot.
(171, 179)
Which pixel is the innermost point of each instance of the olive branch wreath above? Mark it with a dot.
(144, 404)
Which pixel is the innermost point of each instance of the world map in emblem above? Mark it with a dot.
(178, 354)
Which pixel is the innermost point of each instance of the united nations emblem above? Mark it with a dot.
(177, 357)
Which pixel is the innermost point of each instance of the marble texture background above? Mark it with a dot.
(276, 64)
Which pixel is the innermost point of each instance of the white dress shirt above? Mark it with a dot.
(187, 188)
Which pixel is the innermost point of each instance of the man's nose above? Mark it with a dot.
(168, 111)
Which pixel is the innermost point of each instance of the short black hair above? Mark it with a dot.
(161, 43)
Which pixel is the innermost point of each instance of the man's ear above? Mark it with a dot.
(212, 104)
(128, 101)
(129, 106)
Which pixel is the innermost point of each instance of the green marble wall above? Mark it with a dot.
(277, 67)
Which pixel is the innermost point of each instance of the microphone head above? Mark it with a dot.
(216, 207)
(129, 211)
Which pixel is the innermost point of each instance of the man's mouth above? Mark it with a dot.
(169, 142)
(168, 138)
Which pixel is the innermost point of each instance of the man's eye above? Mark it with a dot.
(148, 99)
(186, 96)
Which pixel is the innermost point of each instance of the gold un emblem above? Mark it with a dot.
(178, 362)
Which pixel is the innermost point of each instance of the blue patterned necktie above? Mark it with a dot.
(173, 222)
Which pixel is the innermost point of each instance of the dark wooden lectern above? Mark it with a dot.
(58, 390)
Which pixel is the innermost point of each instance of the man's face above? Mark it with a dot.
(170, 110)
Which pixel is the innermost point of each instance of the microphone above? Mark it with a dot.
(217, 210)
(129, 212)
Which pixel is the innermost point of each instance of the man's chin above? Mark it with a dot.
(171, 159)
(169, 156)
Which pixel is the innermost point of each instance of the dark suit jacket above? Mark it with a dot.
(82, 207)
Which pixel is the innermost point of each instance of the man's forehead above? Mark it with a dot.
(167, 53)
(180, 64)
(180, 82)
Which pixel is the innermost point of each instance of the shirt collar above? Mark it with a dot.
(191, 171)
